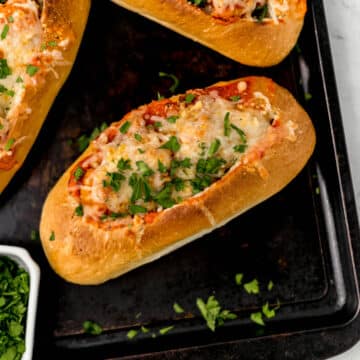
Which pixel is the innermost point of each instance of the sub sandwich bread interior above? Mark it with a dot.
(39, 42)
(252, 32)
(170, 172)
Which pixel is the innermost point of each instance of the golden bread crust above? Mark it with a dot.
(60, 19)
(248, 42)
(84, 253)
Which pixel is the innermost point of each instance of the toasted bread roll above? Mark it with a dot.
(39, 42)
(252, 32)
(170, 172)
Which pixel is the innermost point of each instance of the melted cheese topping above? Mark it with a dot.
(267, 9)
(150, 161)
(24, 60)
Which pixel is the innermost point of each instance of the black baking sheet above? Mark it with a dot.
(299, 239)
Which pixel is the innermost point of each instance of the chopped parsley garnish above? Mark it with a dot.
(161, 167)
(14, 296)
(159, 96)
(172, 144)
(240, 148)
(213, 313)
(52, 43)
(52, 236)
(252, 287)
(34, 235)
(92, 328)
(112, 216)
(178, 183)
(4, 31)
(177, 308)
(200, 183)
(131, 334)
(125, 127)
(227, 127)
(136, 209)
(144, 168)
(163, 198)
(31, 70)
(202, 147)
(198, 2)
(9, 144)
(235, 98)
(141, 151)
(209, 166)
(79, 210)
(257, 318)
(189, 98)
(205, 168)
(260, 12)
(114, 180)
(157, 124)
(240, 132)
(5, 71)
(10, 19)
(141, 189)
(176, 164)
(172, 119)
(6, 91)
(124, 164)
(214, 147)
(79, 173)
(239, 278)
(175, 80)
(138, 137)
(165, 330)
(19, 79)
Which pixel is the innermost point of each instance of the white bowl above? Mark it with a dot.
(22, 257)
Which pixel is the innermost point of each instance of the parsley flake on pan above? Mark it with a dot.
(257, 318)
(175, 80)
(213, 313)
(239, 278)
(177, 308)
(270, 285)
(83, 141)
(269, 313)
(252, 287)
(34, 235)
(92, 328)
(165, 330)
(131, 334)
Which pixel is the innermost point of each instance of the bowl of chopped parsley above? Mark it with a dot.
(19, 287)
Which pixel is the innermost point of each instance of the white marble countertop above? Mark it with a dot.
(344, 29)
